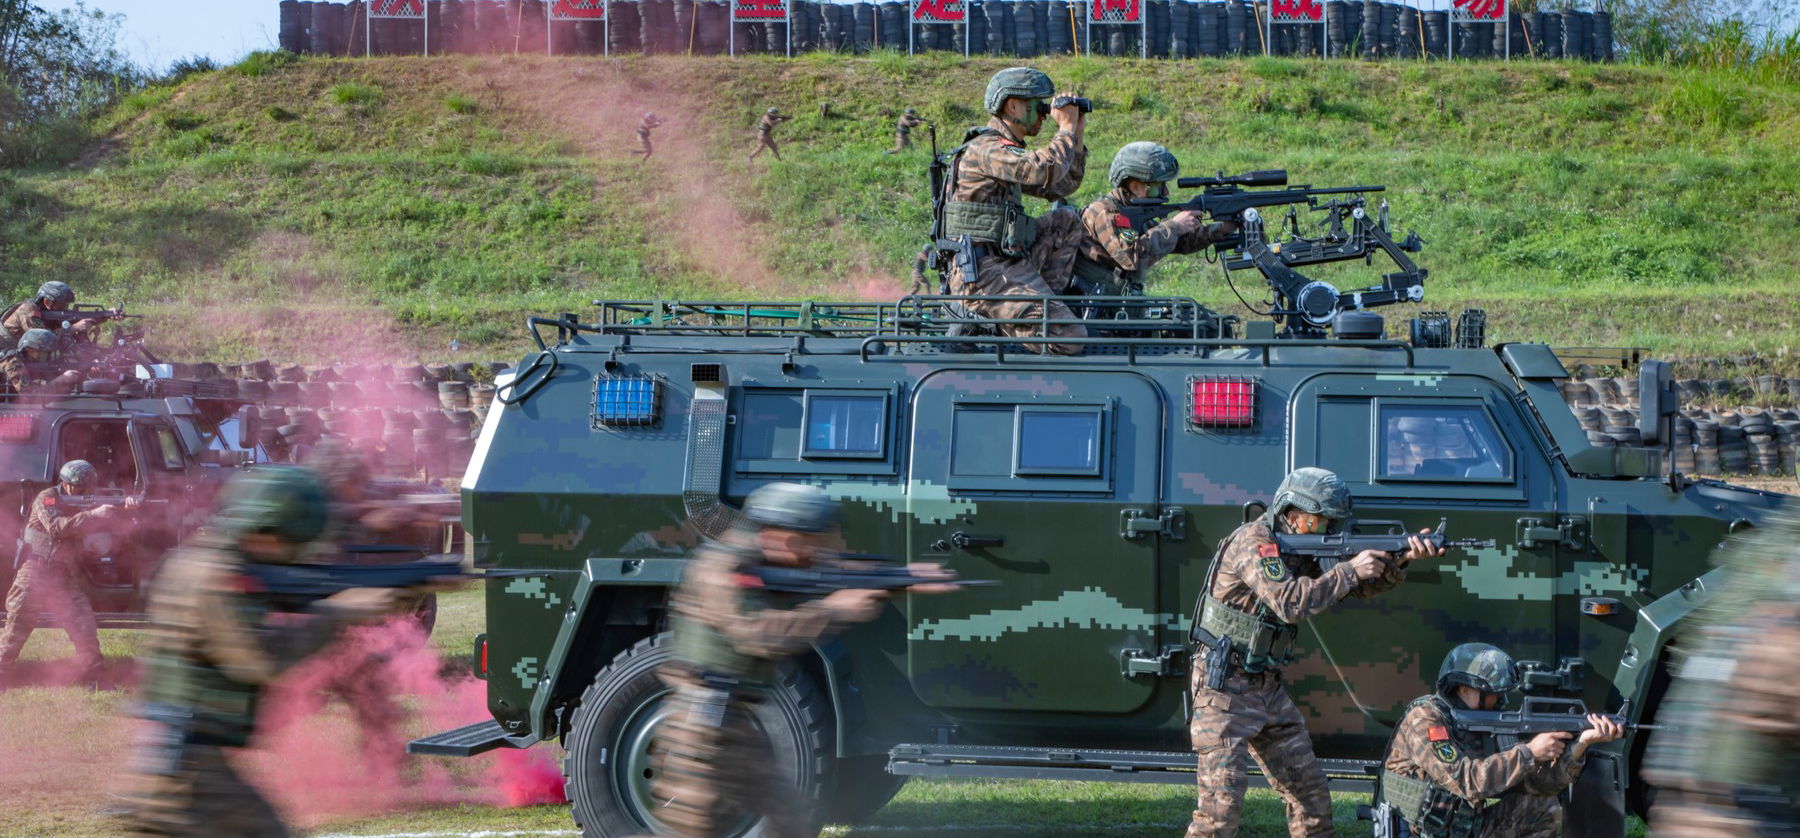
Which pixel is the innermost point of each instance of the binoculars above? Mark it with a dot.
(1081, 103)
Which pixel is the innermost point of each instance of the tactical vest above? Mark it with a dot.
(1006, 227)
(1104, 281)
(221, 710)
(703, 649)
(1261, 641)
(1430, 810)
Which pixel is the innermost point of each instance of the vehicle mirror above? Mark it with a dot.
(1657, 401)
(247, 417)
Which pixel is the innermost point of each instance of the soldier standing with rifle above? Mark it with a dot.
(1245, 629)
(995, 248)
(1439, 776)
(765, 132)
(714, 766)
(1116, 257)
(215, 645)
(649, 123)
(46, 584)
(903, 131)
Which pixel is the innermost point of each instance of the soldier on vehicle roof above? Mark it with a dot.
(1116, 258)
(765, 132)
(1448, 782)
(25, 369)
(214, 645)
(903, 130)
(27, 315)
(713, 764)
(1012, 253)
(47, 586)
(1253, 597)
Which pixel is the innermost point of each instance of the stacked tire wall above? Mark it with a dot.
(1728, 426)
(1023, 28)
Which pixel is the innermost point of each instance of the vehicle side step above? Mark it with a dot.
(466, 741)
(1038, 763)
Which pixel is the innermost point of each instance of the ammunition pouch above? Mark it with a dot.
(1005, 226)
(39, 541)
(1429, 810)
(1096, 279)
(1257, 644)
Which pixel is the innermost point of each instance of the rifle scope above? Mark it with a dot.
(1261, 177)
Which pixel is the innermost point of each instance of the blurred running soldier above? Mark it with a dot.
(649, 123)
(903, 131)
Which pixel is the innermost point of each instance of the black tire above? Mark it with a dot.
(616, 721)
(863, 786)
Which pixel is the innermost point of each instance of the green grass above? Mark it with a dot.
(1593, 204)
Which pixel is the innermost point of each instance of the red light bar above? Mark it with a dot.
(484, 658)
(17, 427)
(1222, 402)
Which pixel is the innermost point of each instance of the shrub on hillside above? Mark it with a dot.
(355, 93)
(265, 62)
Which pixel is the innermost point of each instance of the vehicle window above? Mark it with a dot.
(1442, 442)
(769, 426)
(846, 426)
(979, 436)
(1058, 442)
(170, 449)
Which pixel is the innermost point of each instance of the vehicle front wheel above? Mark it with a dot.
(609, 768)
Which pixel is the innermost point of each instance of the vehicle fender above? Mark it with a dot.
(1656, 625)
(830, 665)
(595, 574)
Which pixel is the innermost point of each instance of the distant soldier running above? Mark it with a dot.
(1447, 782)
(903, 130)
(47, 584)
(765, 132)
(1253, 598)
(649, 123)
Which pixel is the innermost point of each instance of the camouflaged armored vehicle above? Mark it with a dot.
(1095, 488)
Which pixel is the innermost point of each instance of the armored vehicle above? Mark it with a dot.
(1095, 488)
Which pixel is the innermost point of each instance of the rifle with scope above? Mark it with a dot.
(1305, 306)
(1331, 548)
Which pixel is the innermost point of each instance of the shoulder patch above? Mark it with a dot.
(1011, 143)
(1447, 751)
(1269, 550)
(1119, 220)
(1438, 733)
(1128, 236)
(1274, 569)
(50, 501)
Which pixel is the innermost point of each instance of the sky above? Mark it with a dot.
(157, 32)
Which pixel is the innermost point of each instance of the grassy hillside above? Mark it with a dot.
(318, 208)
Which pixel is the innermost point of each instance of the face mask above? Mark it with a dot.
(1158, 190)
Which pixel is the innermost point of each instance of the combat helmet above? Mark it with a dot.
(38, 340)
(1479, 665)
(78, 473)
(773, 111)
(912, 111)
(56, 292)
(287, 502)
(1146, 161)
(1017, 83)
(792, 506)
(1312, 490)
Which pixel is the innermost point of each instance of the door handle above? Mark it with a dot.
(965, 541)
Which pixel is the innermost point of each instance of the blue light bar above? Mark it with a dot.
(626, 400)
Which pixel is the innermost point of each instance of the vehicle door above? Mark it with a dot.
(1419, 449)
(106, 549)
(1048, 482)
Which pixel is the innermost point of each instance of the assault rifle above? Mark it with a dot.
(1537, 714)
(1304, 305)
(819, 581)
(83, 312)
(295, 586)
(1332, 548)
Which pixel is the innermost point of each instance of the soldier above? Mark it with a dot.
(1730, 768)
(903, 131)
(713, 763)
(47, 584)
(51, 296)
(215, 645)
(1253, 598)
(1115, 258)
(1440, 778)
(650, 122)
(765, 132)
(1013, 254)
(22, 370)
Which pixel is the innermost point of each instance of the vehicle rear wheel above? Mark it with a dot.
(609, 769)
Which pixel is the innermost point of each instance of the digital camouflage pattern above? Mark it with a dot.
(1511, 795)
(765, 133)
(1254, 713)
(1016, 83)
(1730, 768)
(903, 131)
(45, 591)
(19, 377)
(24, 317)
(1145, 161)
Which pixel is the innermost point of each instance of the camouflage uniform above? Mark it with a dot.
(23, 317)
(18, 377)
(1730, 768)
(1115, 256)
(993, 168)
(1253, 713)
(713, 764)
(903, 132)
(765, 134)
(645, 126)
(1469, 769)
(47, 583)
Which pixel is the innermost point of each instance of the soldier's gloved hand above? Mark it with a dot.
(1419, 548)
(1068, 116)
(1185, 222)
(855, 605)
(1548, 747)
(1604, 730)
(935, 571)
(131, 504)
(1369, 564)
